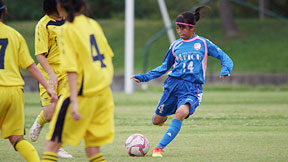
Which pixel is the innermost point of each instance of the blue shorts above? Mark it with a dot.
(178, 92)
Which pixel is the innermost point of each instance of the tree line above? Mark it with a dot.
(32, 9)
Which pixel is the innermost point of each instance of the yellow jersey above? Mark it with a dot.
(87, 52)
(46, 39)
(14, 54)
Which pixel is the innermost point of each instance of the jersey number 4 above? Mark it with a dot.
(3, 44)
(99, 56)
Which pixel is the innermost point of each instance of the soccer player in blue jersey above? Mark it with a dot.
(183, 88)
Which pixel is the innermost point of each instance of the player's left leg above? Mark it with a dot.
(26, 149)
(50, 151)
(159, 120)
(101, 128)
(94, 154)
(175, 126)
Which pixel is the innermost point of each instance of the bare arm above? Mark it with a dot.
(53, 80)
(36, 73)
(72, 80)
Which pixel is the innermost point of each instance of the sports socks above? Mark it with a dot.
(62, 146)
(171, 133)
(27, 151)
(97, 158)
(41, 120)
(49, 157)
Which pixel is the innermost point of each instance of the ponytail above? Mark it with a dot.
(70, 16)
(71, 7)
(197, 13)
(189, 18)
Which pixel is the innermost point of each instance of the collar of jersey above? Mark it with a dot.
(190, 39)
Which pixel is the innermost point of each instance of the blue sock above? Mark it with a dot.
(171, 133)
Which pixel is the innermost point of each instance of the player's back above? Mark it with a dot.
(85, 39)
(13, 54)
(46, 38)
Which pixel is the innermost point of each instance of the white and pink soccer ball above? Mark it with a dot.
(137, 145)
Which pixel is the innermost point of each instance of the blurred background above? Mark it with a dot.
(252, 32)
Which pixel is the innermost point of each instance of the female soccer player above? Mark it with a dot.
(86, 109)
(48, 55)
(183, 88)
(14, 54)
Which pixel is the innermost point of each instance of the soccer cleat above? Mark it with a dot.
(163, 121)
(157, 152)
(35, 130)
(63, 154)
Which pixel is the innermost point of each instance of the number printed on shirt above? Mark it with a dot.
(99, 56)
(3, 45)
(189, 67)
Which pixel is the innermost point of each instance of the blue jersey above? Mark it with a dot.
(188, 59)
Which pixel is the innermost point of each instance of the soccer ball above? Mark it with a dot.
(137, 145)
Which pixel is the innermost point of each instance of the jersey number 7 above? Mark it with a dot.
(3, 44)
(99, 56)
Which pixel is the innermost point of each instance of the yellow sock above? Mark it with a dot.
(62, 146)
(41, 120)
(49, 157)
(27, 150)
(97, 158)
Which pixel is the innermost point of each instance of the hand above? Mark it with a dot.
(136, 80)
(52, 94)
(224, 76)
(53, 81)
(74, 110)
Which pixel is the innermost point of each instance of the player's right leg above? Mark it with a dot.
(12, 121)
(45, 116)
(26, 149)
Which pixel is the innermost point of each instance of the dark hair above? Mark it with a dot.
(72, 6)
(49, 7)
(189, 17)
(2, 11)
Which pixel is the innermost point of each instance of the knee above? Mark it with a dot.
(48, 117)
(155, 122)
(49, 111)
(52, 146)
(156, 119)
(181, 115)
(14, 139)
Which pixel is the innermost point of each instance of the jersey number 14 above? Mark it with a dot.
(189, 67)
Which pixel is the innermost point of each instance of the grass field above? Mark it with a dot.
(260, 47)
(228, 126)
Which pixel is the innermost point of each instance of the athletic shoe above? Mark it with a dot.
(163, 121)
(63, 154)
(157, 152)
(35, 130)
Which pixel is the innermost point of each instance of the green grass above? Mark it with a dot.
(260, 47)
(231, 125)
